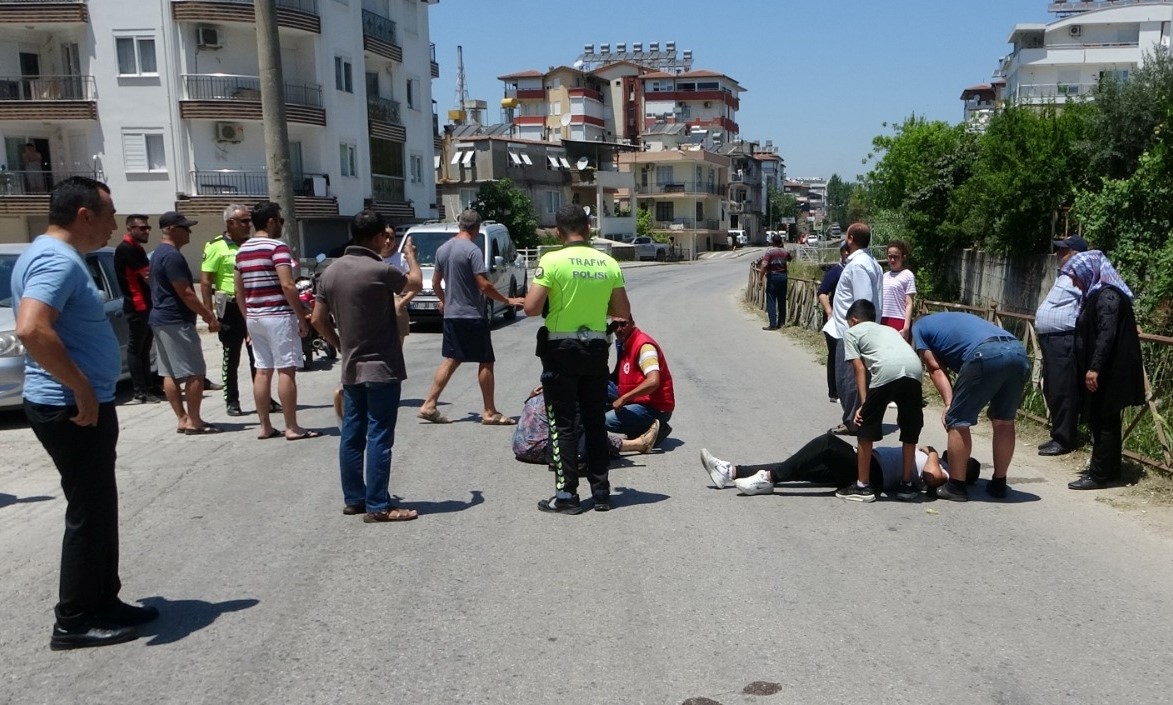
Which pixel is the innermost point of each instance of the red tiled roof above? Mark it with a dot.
(528, 73)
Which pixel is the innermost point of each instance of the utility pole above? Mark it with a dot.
(280, 181)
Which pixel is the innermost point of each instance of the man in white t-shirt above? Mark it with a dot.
(862, 278)
(831, 461)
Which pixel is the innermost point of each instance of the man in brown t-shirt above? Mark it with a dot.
(355, 312)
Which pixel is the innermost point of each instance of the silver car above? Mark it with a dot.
(101, 266)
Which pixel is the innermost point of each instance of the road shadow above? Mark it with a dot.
(669, 444)
(630, 497)
(10, 499)
(447, 506)
(1013, 495)
(179, 619)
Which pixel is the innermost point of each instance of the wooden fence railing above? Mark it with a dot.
(1148, 437)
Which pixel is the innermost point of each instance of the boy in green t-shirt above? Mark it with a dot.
(895, 371)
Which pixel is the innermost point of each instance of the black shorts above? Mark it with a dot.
(468, 340)
(910, 416)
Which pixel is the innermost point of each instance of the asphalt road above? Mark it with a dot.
(270, 595)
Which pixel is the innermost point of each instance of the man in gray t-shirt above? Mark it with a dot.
(459, 262)
(461, 284)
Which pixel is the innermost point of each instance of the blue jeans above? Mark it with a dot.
(776, 299)
(634, 419)
(995, 374)
(368, 429)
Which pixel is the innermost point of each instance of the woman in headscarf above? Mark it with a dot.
(1108, 357)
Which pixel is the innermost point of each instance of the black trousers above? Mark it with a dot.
(232, 335)
(85, 458)
(832, 341)
(1107, 441)
(574, 380)
(825, 460)
(138, 351)
(1061, 386)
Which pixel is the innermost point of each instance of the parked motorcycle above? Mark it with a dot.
(313, 343)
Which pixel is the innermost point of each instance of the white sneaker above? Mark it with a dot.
(760, 483)
(720, 471)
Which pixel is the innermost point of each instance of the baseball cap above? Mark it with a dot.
(171, 218)
(1074, 242)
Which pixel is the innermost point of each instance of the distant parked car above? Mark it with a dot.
(648, 248)
(101, 266)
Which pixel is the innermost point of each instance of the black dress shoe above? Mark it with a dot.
(90, 635)
(234, 410)
(275, 408)
(210, 386)
(1085, 482)
(124, 615)
(1053, 448)
(352, 509)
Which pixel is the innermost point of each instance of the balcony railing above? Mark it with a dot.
(1058, 92)
(238, 182)
(231, 87)
(679, 187)
(383, 110)
(310, 6)
(378, 27)
(47, 87)
(34, 181)
(685, 224)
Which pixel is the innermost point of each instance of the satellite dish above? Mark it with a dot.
(578, 63)
(582, 163)
(565, 119)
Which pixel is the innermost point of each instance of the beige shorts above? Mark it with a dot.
(276, 343)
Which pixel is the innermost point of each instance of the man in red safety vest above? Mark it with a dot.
(645, 384)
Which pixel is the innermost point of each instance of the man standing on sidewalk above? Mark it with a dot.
(576, 287)
(174, 307)
(862, 278)
(218, 288)
(267, 298)
(72, 365)
(357, 292)
(461, 283)
(131, 266)
(1055, 324)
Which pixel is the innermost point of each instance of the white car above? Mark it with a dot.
(101, 266)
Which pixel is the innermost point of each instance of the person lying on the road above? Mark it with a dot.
(831, 461)
(531, 438)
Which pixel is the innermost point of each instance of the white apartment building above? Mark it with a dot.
(161, 100)
(1055, 61)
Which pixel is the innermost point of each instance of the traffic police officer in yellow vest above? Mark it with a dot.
(218, 287)
(576, 288)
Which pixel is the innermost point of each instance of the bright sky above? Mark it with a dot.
(821, 76)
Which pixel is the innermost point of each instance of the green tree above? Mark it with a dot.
(1029, 164)
(778, 206)
(503, 202)
(643, 222)
(839, 194)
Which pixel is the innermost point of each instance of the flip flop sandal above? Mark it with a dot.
(273, 433)
(434, 416)
(307, 434)
(204, 430)
(392, 514)
(498, 420)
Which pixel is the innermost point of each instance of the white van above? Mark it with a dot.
(505, 267)
(737, 238)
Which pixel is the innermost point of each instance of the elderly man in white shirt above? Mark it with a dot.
(1055, 324)
(862, 278)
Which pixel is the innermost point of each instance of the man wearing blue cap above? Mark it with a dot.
(1055, 324)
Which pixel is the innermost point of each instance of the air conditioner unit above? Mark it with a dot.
(208, 37)
(229, 132)
(1075, 30)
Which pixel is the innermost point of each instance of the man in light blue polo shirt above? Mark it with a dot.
(992, 368)
(72, 365)
(1055, 324)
